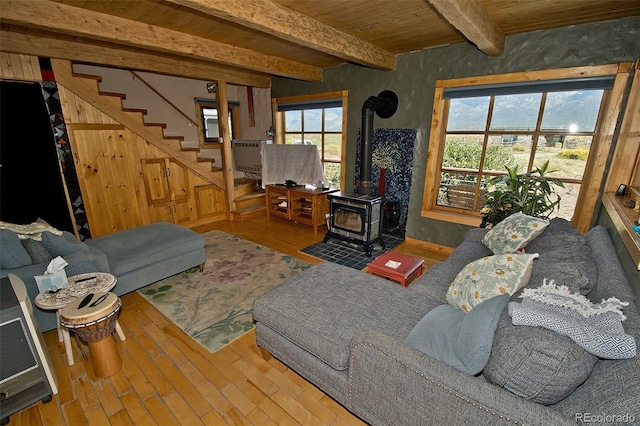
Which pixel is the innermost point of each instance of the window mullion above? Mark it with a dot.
(536, 133)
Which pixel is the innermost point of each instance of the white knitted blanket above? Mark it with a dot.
(596, 327)
(299, 163)
(31, 231)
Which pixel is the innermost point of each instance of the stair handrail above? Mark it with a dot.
(143, 81)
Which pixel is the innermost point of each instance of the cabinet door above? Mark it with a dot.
(182, 211)
(155, 180)
(210, 201)
(161, 212)
(178, 178)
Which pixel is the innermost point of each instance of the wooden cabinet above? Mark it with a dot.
(166, 184)
(210, 201)
(306, 205)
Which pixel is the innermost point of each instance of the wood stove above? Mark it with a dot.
(355, 218)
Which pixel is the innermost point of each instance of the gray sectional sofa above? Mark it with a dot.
(345, 331)
(137, 257)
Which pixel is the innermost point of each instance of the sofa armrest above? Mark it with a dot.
(391, 382)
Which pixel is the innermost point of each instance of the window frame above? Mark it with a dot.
(234, 115)
(280, 126)
(594, 169)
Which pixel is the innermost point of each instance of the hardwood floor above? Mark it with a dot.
(167, 378)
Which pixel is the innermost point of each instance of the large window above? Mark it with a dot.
(524, 123)
(316, 120)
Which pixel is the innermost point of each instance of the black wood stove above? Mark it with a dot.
(355, 218)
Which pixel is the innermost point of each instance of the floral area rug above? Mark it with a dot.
(214, 307)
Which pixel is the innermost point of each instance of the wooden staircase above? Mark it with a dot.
(87, 88)
(249, 200)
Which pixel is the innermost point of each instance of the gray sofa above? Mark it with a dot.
(345, 331)
(137, 257)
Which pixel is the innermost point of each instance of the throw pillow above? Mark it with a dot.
(61, 245)
(535, 363)
(36, 251)
(514, 233)
(490, 276)
(12, 253)
(458, 339)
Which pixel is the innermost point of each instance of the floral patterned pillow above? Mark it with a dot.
(490, 276)
(513, 233)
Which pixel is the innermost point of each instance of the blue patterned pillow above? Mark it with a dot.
(514, 233)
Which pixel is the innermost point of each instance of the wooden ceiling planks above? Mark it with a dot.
(186, 32)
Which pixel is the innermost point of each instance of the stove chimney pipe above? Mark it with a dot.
(385, 105)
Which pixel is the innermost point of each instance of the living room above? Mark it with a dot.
(239, 371)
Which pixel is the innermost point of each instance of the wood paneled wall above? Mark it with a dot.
(19, 67)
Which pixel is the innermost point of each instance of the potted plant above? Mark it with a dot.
(531, 193)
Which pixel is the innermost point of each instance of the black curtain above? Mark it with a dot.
(30, 181)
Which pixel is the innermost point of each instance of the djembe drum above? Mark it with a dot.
(95, 324)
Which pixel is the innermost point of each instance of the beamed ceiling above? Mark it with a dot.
(247, 42)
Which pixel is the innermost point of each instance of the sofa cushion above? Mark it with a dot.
(61, 245)
(456, 338)
(37, 252)
(490, 276)
(12, 253)
(535, 363)
(564, 258)
(514, 233)
(323, 307)
(139, 247)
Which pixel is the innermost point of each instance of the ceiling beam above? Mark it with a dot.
(473, 20)
(122, 58)
(269, 17)
(61, 18)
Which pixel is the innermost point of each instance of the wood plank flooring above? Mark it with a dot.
(168, 379)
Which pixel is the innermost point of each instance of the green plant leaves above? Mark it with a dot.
(533, 193)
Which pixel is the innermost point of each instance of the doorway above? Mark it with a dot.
(31, 184)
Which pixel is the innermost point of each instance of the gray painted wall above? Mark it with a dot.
(414, 81)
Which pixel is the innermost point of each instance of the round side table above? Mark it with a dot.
(79, 286)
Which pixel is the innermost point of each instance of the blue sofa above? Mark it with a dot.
(137, 257)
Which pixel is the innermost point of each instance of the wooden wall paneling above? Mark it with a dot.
(594, 173)
(78, 111)
(628, 145)
(14, 66)
(105, 166)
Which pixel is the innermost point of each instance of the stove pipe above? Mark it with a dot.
(385, 105)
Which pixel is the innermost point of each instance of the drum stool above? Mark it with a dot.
(95, 324)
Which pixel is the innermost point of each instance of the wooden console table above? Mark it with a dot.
(302, 204)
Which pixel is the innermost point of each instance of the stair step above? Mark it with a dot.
(98, 78)
(251, 199)
(249, 213)
(117, 95)
(140, 110)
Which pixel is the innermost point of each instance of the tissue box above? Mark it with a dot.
(51, 282)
